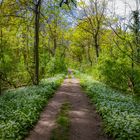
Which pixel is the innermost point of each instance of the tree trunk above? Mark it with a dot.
(97, 48)
(0, 60)
(0, 83)
(55, 45)
(89, 57)
(137, 32)
(36, 42)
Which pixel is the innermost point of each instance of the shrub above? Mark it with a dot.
(119, 74)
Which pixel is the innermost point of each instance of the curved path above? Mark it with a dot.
(85, 122)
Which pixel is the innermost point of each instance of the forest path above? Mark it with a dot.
(85, 122)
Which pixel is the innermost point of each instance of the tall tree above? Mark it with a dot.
(94, 16)
(37, 6)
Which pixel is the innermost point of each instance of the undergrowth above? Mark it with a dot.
(120, 113)
(20, 108)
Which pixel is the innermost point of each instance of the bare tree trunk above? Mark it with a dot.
(55, 45)
(1, 35)
(0, 83)
(136, 41)
(137, 32)
(96, 46)
(132, 73)
(36, 41)
(0, 60)
(89, 57)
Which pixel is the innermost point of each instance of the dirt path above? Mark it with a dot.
(85, 122)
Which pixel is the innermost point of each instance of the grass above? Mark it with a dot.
(120, 113)
(20, 108)
(61, 132)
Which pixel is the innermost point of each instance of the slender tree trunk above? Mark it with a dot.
(132, 76)
(0, 60)
(135, 52)
(89, 57)
(55, 46)
(0, 84)
(96, 46)
(36, 42)
(137, 32)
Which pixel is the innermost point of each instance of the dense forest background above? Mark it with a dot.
(41, 38)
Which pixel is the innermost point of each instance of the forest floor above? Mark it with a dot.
(85, 123)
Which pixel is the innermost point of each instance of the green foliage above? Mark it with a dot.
(119, 74)
(20, 108)
(17, 36)
(113, 72)
(120, 113)
(56, 65)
